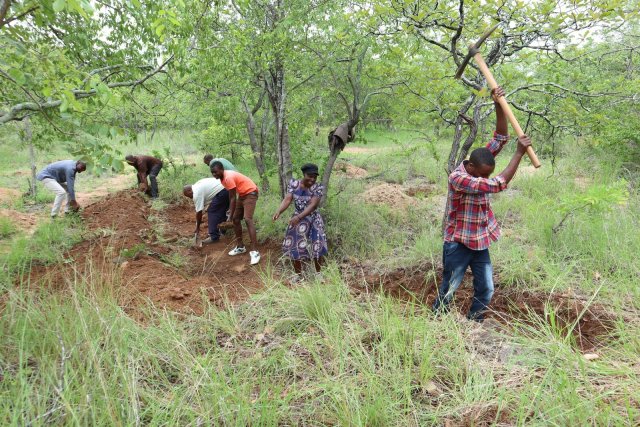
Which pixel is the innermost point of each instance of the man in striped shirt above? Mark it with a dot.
(470, 225)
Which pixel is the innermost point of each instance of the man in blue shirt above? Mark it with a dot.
(60, 177)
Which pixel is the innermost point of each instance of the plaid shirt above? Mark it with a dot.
(469, 218)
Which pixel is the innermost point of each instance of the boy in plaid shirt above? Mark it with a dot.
(470, 225)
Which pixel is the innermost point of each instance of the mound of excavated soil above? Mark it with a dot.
(148, 256)
(389, 194)
(593, 323)
(350, 171)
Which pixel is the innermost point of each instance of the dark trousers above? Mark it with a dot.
(153, 177)
(217, 213)
(456, 257)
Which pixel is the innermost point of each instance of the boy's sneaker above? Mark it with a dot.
(255, 257)
(237, 251)
(209, 240)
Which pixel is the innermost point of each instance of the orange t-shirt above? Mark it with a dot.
(242, 184)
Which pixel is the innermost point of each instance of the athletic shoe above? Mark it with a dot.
(255, 257)
(209, 240)
(237, 251)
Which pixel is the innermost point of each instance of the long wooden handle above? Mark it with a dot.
(505, 106)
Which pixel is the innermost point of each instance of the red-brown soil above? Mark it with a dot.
(147, 255)
(593, 323)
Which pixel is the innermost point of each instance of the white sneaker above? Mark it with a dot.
(237, 251)
(255, 257)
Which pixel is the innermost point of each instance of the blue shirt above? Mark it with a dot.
(62, 171)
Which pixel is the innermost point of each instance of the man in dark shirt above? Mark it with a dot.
(146, 166)
(60, 177)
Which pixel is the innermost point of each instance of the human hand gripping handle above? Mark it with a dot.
(497, 93)
(491, 82)
(524, 142)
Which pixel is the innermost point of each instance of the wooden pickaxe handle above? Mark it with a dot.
(484, 69)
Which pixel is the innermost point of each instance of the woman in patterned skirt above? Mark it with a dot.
(305, 238)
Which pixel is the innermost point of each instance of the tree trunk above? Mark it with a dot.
(265, 129)
(155, 126)
(28, 137)
(275, 86)
(4, 9)
(471, 136)
(258, 155)
(334, 152)
(457, 138)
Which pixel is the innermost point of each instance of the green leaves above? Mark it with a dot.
(59, 5)
(18, 76)
(597, 198)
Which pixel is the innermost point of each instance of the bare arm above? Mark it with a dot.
(283, 206)
(312, 206)
(509, 172)
(198, 221)
(501, 118)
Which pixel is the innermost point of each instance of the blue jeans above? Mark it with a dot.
(456, 257)
(217, 213)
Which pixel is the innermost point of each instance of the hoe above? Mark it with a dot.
(474, 51)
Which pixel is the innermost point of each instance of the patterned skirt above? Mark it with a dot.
(307, 240)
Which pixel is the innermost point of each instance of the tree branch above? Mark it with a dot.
(15, 18)
(14, 112)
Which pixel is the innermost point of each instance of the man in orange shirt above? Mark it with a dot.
(247, 192)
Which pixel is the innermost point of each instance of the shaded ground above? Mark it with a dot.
(590, 324)
(146, 254)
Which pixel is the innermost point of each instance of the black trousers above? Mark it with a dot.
(153, 177)
(217, 213)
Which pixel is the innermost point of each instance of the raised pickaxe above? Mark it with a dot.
(474, 51)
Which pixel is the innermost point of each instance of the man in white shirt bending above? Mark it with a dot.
(209, 191)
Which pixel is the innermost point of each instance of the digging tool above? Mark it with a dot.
(197, 241)
(474, 52)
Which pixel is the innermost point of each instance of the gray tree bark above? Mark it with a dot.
(256, 147)
(276, 90)
(28, 138)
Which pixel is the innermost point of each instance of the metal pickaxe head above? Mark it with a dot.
(473, 49)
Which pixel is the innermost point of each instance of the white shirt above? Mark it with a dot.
(204, 191)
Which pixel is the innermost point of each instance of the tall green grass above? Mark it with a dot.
(321, 354)
(313, 354)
